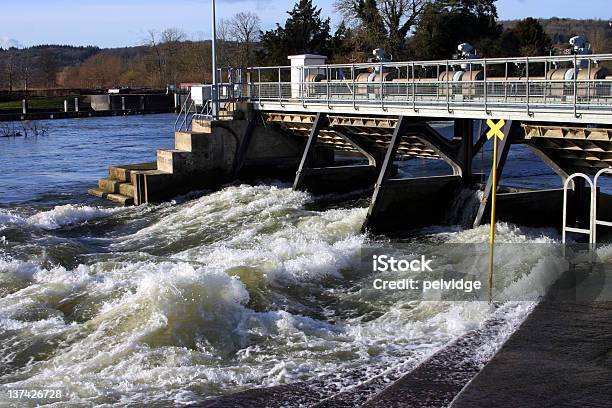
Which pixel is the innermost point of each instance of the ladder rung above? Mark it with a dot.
(606, 223)
(578, 230)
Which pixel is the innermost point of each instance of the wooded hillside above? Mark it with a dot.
(408, 29)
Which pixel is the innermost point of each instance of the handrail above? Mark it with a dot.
(181, 113)
(458, 62)
(565, 228)
(594, 197)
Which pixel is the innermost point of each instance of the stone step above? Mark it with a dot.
(174, 161)
(116, 198)
(191, 141)
(123, 172)
(120, 199)
(126, 189)
(109, 185)
(97, 192)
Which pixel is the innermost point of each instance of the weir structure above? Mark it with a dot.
(336, 128)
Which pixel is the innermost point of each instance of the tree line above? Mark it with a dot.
(407, 29)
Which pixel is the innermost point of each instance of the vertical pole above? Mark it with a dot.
(493, 202)
(501, 157)
(486, 92)
(447, 89)
(382, 106)
(506, 83)
(259, 85)
(354, 87)
(76, 104)
(215, 90)
(575, 86)
(280, 93)
(65, 105)
(527, 80)
(24, 106)
(413, 89)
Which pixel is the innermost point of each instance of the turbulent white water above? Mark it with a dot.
(250, 286)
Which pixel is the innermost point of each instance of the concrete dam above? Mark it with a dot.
(340, 128)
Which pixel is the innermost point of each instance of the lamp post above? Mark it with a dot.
(215, 90)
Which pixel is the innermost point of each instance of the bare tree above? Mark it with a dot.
(9, 68)
(153, 43)
(165, 47)
(244, 29)
(397, 16)
(171, 45)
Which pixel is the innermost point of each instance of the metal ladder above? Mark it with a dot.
(593, 221)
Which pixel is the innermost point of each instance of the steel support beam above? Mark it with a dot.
(447, 150)
(319, 121)
(464, 133)
(502, 155)
(386, 168)
(245, 142)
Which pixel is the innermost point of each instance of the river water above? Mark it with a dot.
(212, 293)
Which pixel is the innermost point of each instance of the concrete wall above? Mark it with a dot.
(141, 102)
(412, 203)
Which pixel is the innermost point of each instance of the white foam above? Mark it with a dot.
(173, 330)
(69, 214)
(58, 217)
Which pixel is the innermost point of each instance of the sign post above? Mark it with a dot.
(494, 132)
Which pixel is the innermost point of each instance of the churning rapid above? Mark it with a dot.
(250, 286)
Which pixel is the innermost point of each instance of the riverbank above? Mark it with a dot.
(14, 117)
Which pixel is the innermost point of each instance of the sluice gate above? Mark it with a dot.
(342, 128)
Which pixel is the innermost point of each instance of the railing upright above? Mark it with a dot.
(447, 90)
(328, 78)
(595, 195)
(413, 89)
(354, 90)
(382, 103)
(506, 83)
(575, 86)
(527, 80)
(486, 91)
(565, 228)
(280, 99)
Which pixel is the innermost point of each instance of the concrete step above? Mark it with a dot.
(194, 142)
(109, 185)
(201, 126)
(116, 198)
(126, 189)
(97, 192)
(173, 161)
(123, 172)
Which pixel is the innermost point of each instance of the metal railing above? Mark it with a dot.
(210, 100)
(570, 83)
(594, 222)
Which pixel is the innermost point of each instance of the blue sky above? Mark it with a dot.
(112, 23)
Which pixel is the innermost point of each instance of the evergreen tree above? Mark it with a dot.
(304, 32)
(445, 24)
(531, 40)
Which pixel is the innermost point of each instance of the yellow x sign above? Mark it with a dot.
(495, 129)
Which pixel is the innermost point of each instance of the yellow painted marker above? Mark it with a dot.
(494, 132)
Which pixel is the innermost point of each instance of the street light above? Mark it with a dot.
(215, 90)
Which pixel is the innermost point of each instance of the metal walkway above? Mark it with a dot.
(561, 89)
